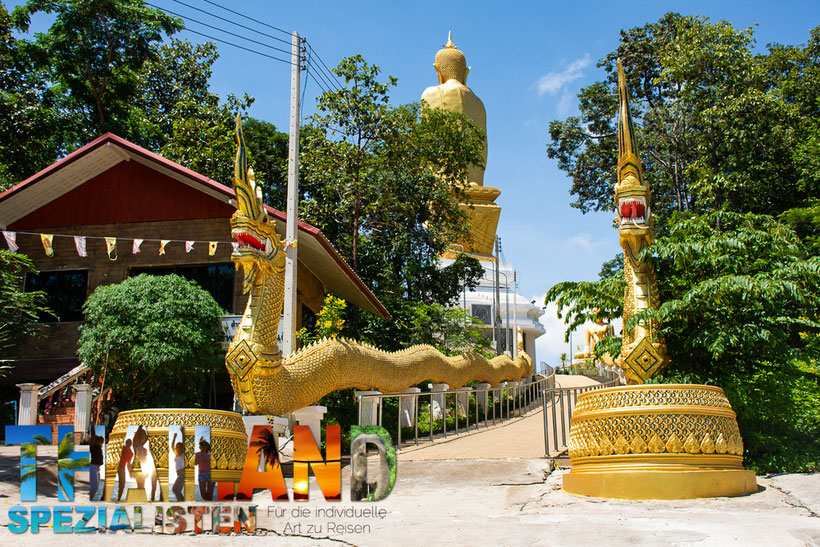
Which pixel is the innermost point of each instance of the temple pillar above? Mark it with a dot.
(311, 416)
(29, 400)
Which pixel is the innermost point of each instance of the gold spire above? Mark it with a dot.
(629, 164)
(450, 44)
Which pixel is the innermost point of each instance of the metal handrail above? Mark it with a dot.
(526, 397)
(563, 413)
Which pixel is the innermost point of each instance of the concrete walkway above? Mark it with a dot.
(517, 438)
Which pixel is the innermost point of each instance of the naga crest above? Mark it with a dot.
(259, 246)
(643, 353)
(632, 194)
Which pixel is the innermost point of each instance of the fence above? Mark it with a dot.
(476, 407)
(557, 407)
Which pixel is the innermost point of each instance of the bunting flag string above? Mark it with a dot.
(47, 243)
(11, 240)
(79, 242)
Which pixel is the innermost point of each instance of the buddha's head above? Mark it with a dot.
(450, 63)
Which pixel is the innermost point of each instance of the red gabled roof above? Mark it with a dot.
(108, 150)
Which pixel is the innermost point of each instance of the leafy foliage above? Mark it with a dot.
(718, 127)
(19, 310)
(452, 331)
(329, 321)
(155, 339)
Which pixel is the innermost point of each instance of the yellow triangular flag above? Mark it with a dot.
(111, 245)
(212, 247)
(162, 244)
(46, 239)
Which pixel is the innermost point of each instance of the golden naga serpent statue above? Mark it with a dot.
(266, 383)
(643, 353)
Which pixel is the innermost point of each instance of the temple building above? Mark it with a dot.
(159, 218)
(514, 315)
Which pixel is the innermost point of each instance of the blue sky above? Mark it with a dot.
(528, 61)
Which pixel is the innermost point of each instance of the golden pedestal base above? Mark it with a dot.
(229, 444)
(656, 442)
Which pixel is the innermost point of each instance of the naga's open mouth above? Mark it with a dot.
(248, 241)
(632, 211)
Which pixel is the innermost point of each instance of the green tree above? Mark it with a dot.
(452, 331)
(156, 338)
(96, 50)
(19, 310)
(719, 127)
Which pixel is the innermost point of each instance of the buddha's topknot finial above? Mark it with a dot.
(450, 44)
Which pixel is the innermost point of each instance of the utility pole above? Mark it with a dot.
(497, 318)
(290, 311)
(515, 313)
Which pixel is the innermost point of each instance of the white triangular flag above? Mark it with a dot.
(11, 240)
(79, 242)
(135, 248)
(189, 246)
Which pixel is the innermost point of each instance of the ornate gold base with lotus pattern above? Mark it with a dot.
(670, 441)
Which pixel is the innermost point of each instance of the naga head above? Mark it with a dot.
(632, 194)
(259, 248)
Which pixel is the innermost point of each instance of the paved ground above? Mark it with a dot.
(487, 501)
(513, 502)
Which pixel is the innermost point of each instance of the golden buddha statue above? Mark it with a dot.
(452, 94)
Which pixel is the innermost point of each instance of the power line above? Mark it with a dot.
(234, 22)
(329, 72)
(238, 46)
(247, 17)
(186, 17)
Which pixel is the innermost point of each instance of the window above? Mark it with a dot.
(65, 293)
(217, 279)
(483, 313)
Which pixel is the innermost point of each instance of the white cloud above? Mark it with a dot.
(550, 346)
(564, 105)
(584, 241)
(553, 82)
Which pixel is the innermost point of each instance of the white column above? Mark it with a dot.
(463, 400)
(438, 400)
(407, 407)
(82, 409)
(481, 396)
(291, 300)
(512, 389)
(370, 407)
(29, 399)
(311, 416)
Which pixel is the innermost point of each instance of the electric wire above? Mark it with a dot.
(327, 71)
(191, 19)
(238, 46)
(247, 17)
(233, 22)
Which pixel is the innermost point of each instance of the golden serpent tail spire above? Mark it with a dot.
(643, 353)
